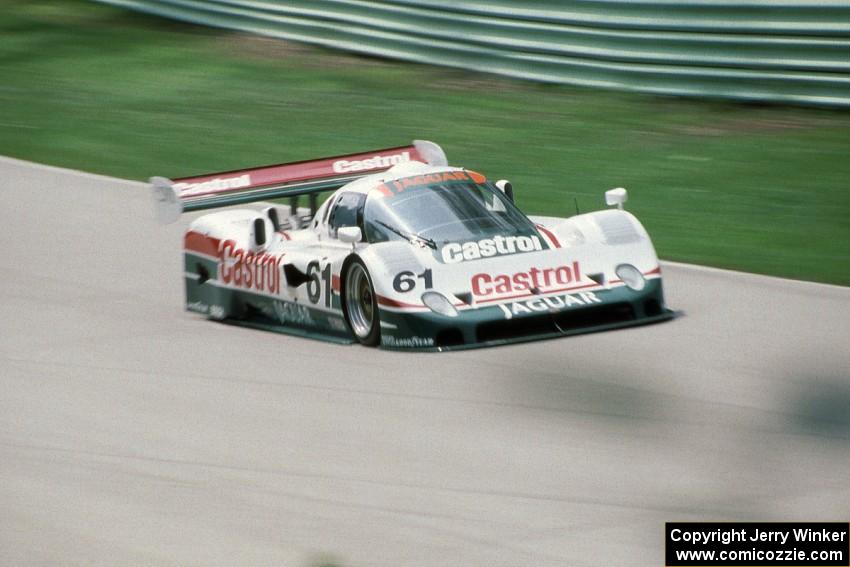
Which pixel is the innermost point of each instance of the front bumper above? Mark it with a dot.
(528, 319)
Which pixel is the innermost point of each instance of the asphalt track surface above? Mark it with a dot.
(134, 433)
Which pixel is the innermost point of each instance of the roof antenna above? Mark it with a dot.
(575, 199)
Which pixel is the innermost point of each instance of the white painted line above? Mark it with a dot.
(65, 170)
(696, 267)
(750, 275)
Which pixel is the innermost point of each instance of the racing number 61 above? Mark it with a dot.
(314, 286)
(406, 281)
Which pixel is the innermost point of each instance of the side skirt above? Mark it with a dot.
(291, 331)
(264, 312)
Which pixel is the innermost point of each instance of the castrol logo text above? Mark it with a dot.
(187, 189)
(485, 284)
(375, 162)
(245, 269)
(487, 247)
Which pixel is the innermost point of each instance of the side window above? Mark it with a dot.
(329, 204)
(347, 211)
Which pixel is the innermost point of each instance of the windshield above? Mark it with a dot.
(439, 208)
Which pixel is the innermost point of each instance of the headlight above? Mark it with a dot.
(631, 276)
(438, 303)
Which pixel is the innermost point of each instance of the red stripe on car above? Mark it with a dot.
(201, 243)
(550, 236)
(530, 294)
(393, 303)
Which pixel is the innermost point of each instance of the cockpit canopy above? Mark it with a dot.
(450, 206)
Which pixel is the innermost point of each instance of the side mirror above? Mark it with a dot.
(617, 197)
(506, 187)
(349, 234)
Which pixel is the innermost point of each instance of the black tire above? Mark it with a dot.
(360, 304)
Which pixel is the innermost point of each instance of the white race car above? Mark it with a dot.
(408, 253)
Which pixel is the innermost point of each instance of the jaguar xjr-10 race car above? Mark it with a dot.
(408, 253)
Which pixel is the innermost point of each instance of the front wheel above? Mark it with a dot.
(361, 304)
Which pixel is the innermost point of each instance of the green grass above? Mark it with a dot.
(755, 188)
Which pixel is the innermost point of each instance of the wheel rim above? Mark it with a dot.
(359, 301)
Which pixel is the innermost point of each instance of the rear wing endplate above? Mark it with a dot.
(213, 190)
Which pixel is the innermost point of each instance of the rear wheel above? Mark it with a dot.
(361, 304)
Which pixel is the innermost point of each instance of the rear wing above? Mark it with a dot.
(176, 196)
